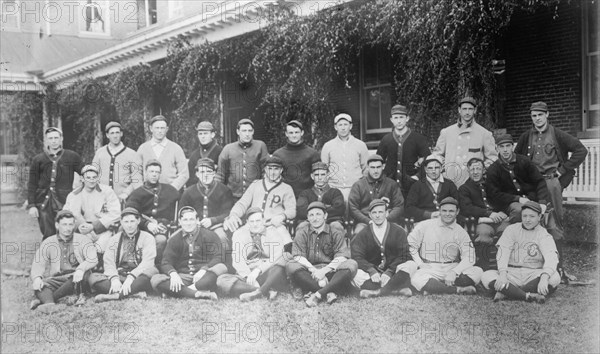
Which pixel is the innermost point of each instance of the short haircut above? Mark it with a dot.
(64, 216)
(153, 163)
(475, 160)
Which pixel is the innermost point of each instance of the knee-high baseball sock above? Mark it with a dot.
(241, 287)
(435, 286)
(512, 292)
(559, 247)
(370, 285)
(304, 280)
(164, 287)
(141, 283)
(45, 295)
(207, 282)
(102, 287)
(275, 279)
(463, 280)
(337, 282)
(399, 280)
(68, 288)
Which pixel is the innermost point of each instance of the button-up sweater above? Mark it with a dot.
(369, 253)
(331, 197)
(100, 207)
(321, 247)
(420, 200)
(47, 255)
(367, 189)
(174, 164)
(212, 151)
(65, 165)
(459, 144)
(206, 252)
(414, 147)
(297, 165)
(121, 171)
(158, 203)
(241, 164)
(502, 190)
(471, 200)
(145, 250)
(214, 202)
(277, 200)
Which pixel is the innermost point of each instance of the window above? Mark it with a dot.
(96, 17)
(376, 91)
(175, 9)
(10, 13)
(591, 91)
(147, 13)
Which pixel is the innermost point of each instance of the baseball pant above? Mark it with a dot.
(338, 281)
(362, 279)
(162, 282)
(519, 277)
(60, 286)
(438, 271)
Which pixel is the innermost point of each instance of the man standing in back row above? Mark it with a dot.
(402, 150)
(463, 141)
(345, 155)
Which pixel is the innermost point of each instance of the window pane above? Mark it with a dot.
(593, 27)
(378, 101)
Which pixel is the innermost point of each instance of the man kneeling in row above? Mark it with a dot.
(257, 253)
(527, 260)
(444, 253)
(192, 261)
(321, 263)
(128, 262)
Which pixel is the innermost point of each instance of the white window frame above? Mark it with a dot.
(106, 17)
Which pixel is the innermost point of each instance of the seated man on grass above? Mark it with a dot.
(258, 260)
(70, 257)
(192, 261)
(383, 256)
(527, 260)
(128, 262)
(444, 253)
(321, 263)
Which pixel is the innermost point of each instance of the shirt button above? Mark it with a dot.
(112, 164)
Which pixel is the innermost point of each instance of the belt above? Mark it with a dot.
(428, 261)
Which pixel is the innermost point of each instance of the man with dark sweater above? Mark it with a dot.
(211, 199)
(473, 202)
(513, 180)
(402, 150)
(383, 256)
(374, 186)
(209, 148)
(321, 263)
(423, 201)
(240, 162)
(297, 158)
(192, 261)
(548, 148)
(332, 198)
(157, 203)
(51, 176)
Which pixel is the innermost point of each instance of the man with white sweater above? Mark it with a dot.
(171, 156)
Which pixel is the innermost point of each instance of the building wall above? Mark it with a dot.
(543, 63)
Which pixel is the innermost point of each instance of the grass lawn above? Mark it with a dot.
(568, 322)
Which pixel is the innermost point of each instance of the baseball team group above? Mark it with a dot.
(474, 212)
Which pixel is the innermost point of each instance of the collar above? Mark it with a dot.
(323, 190)
(61, 240)
(344, 141)
(298, 146)
(398, 136)
(469, 125)
(55, 155)
(512, 159)
(323, 229)
(382, 227)
(133, 236)
(451, 226)
(245, 145)
(535, 129)
(535, 228)
(118, 148)
(372, 180)
(163, 143)
(149, 185)
(209, 145)
(439, 180)
(193, 234)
